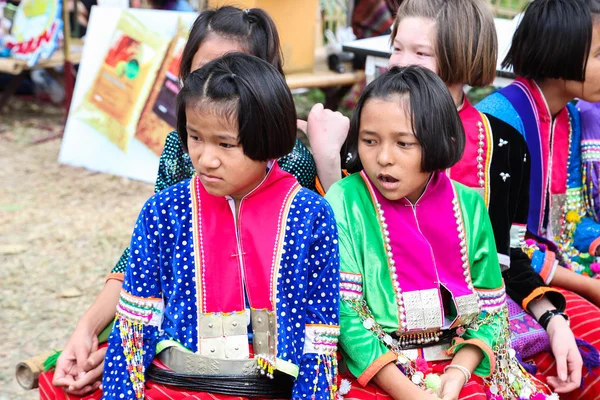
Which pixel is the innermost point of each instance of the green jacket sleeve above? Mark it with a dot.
(489, 327)
(363, 352)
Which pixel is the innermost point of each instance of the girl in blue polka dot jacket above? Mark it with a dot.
(233, 274)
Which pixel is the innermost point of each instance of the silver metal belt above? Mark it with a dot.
(195, 364)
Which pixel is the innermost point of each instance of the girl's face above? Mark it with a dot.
(218, 158)
(389, 151)
(213, 47)
(590, 89)
(414, 44)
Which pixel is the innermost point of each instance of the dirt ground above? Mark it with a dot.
(61, 231)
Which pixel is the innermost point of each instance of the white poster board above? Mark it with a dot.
(87, 146)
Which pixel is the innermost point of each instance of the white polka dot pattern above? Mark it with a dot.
(161, 265)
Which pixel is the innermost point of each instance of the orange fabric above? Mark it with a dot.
(548, 264)
(319, 186)
(375, 367)
(594, 245)
(479, 343)
(119, 276)
(538, 292)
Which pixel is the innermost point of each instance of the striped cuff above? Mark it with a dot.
(492, 301)
(549, 267)
(538, 293)
(147, 311)
(545, 264)
(487, 351)
(321, 339)
(351, 287)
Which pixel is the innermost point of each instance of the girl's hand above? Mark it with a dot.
(453, 381)
(326, 130)
(567, 356)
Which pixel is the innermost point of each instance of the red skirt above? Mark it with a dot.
(585, 324)
(153, 392)
(473, 390)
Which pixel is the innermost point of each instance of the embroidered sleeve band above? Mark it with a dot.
(351, 286)
(321, 339)
(492, 301)
(145, 311)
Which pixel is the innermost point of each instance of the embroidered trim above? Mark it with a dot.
(492, 301)
(590, 150)
(145, 311)
(464, 251)
(198, 250)
(388, 251)
(484, 170)
(133, 314)
(321, 339)
(278, 250)
(351, 287)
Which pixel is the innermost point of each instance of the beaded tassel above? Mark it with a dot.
(132, 340)
(266, 364)
(329, 363)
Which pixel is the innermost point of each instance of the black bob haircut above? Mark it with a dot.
(553, 40)
(432, 111)
(249, 92)
(253, 29)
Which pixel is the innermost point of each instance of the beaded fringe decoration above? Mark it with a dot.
(266, 365)
(330, 369)
(408, 367)
(509, 379)
(133, 348)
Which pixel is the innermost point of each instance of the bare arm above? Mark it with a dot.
(397, 385)
(102, 311)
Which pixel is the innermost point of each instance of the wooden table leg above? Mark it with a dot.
(69, 71)
(10, 90)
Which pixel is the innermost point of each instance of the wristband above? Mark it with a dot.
(544, 320)
(462, 369)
